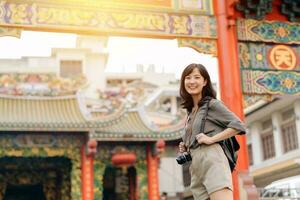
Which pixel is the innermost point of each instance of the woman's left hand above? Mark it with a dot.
(204, 139)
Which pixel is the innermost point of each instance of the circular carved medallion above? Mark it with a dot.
(282, 57)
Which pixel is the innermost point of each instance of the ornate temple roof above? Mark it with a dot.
(30, 113)
(19, 113)
(46, 102)
(132, 127)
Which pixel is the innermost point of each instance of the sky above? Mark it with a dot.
(124, 53)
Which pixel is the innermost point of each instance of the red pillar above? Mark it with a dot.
(152, 164)
(229, 75)
(87, 175)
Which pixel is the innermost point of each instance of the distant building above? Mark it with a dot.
(273, 139)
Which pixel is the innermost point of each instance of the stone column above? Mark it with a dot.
(297, 115)
(255, 130)
(276, 122)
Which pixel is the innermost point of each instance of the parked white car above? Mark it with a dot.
(288, 188)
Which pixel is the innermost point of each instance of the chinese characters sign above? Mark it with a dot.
(268, 69)
(282, 57)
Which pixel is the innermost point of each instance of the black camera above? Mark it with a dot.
(183, 158)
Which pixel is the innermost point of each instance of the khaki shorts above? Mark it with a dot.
(209, 170)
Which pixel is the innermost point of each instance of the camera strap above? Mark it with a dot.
(190, 127)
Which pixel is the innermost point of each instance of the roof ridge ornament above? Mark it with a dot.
(291, 9)
(252, 10)
(39, 85)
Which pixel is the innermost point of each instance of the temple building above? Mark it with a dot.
(64, 118)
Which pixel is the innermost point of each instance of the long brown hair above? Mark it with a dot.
(207, 92)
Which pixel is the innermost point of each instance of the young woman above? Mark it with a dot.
(210, 171)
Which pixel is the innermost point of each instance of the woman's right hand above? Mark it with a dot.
(182, 147)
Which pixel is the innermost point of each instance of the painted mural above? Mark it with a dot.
(268, 31)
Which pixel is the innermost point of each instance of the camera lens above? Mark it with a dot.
(188, 157)
(183, 158)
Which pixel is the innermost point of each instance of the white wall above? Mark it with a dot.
(94, 66)
(28, 65)
(170, 176)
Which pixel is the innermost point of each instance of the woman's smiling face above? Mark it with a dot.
(194, 83)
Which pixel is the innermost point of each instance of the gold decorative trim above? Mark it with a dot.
(13, 32)
(97, 20)
(206, 46)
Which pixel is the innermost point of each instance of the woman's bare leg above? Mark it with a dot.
(224, 194)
